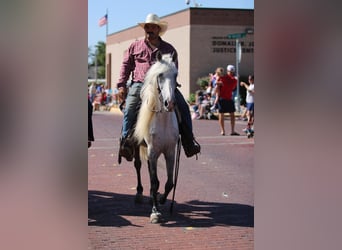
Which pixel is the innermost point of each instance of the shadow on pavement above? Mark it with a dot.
(109, 209)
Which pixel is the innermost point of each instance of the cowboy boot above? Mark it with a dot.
(190, 145)
(126, 149)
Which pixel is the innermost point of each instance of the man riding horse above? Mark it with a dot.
(138, 59)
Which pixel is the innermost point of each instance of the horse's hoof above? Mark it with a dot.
(139, 198)
(154, 218)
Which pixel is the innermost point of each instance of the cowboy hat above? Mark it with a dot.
(153, 18)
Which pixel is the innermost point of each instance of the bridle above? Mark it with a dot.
(163, 104)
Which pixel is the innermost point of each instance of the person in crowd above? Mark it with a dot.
(202, 105)
(249, 102)
(99, 88)
(103, 98)
(139, 57)
(218, 72)
(224, 88)
(196, 107)
(92, 92)
(109, 94)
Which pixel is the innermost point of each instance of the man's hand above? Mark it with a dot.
(122, 94)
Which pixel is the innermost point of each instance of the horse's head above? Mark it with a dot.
(161, 78)
(166, 79)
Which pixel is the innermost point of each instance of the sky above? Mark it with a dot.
(127, 13)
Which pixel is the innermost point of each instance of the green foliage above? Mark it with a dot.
(203, 82)
(101, 53)
(101, 72)
(192, 98)
(98, 58)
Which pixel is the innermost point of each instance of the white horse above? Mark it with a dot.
(157, 125)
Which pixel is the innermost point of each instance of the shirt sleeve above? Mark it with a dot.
(127, 67)
(235, 83)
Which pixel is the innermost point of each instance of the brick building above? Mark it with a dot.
(200, 35)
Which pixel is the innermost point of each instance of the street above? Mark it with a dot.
(214, 200)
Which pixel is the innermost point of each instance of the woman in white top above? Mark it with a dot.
(249, 101)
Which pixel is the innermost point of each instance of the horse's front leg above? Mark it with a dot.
(170, 161)
(137, 165)
(154, 183)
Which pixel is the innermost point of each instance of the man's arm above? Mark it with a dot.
(127, 67)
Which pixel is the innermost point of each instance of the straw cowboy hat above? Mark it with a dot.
(153, 18)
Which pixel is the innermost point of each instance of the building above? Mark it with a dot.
(200, 36)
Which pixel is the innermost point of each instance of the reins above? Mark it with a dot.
(176, 173)
(153, 109)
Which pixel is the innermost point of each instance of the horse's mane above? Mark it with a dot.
(150, 96)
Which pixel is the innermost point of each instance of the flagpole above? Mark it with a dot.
(107, 24)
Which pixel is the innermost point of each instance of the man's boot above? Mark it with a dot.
(190, 145)
(191, 148)
(126, 149)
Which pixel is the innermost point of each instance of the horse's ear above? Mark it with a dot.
(159, 56)
(174, 56)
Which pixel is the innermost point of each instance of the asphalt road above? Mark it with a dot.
(214, 204)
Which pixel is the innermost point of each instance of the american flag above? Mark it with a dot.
(103, 20)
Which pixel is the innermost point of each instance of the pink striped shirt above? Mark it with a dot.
(138, 59)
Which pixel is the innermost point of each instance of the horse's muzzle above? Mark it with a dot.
(169, 106)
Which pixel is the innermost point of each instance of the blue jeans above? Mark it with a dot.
(130, 112)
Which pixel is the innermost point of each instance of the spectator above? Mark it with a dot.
(202, 105)
(218, 72)
(92, 92)
(249, 102)
(108, 95)
(225, 86)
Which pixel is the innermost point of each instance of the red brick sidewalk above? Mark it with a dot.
(214, 196)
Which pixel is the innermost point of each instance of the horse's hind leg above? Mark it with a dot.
(170, 159)
(154, 183)
(137, 165)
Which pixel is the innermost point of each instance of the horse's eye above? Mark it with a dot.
(160, 77)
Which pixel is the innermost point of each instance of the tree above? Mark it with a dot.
(90, 55)
(97, 58)
(101, 59)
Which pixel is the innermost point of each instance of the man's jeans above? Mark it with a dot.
(132, 101)
(130, 112)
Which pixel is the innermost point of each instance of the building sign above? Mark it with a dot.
(222, 44)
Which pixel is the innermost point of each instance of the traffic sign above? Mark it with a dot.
(236, 35)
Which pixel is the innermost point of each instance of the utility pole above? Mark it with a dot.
(238, 60)
(96, 64)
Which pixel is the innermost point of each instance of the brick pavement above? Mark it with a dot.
(214, 198)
